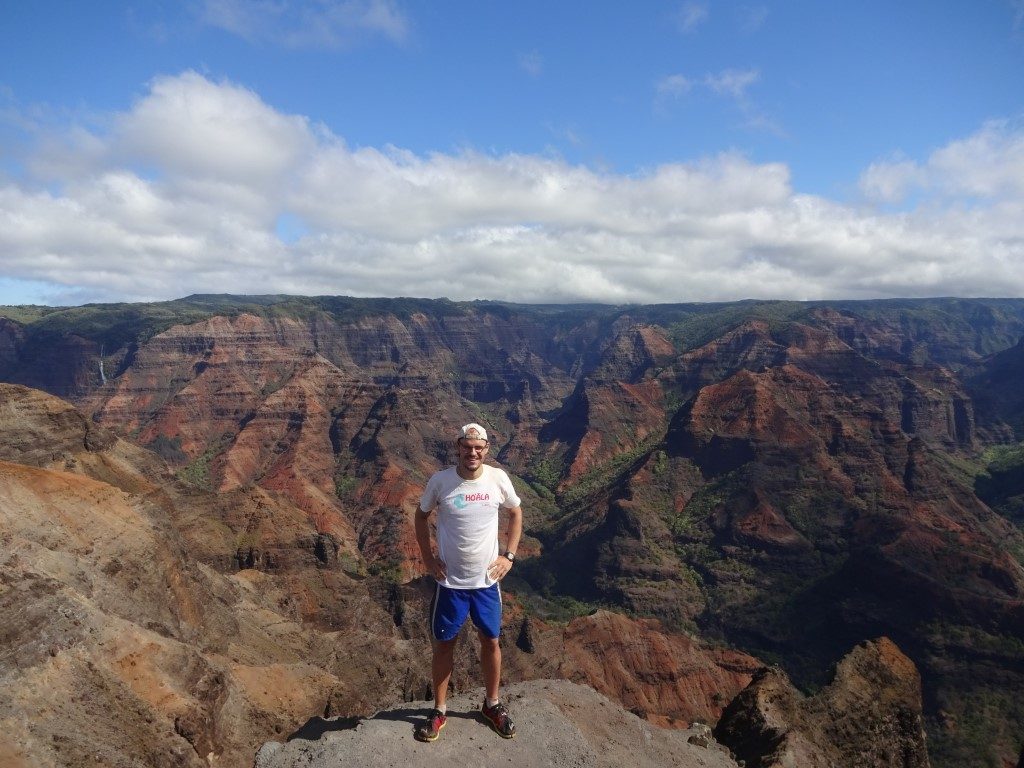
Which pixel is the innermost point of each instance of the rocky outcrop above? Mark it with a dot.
(833, 445)
(121, 644)
(668, 678)
(64, 364)
(558, 725)
(995, 385)
(615, 407)
(947, 332)
(750, 346)
(48, 429)
(869, 716)
(12, 336)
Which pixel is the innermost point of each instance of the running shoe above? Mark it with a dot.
(498, 718)
(430, 729)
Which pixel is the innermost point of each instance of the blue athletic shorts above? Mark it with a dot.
(449, 608)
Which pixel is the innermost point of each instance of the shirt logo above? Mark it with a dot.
(464, 500)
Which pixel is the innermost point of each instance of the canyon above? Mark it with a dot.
(223, 496)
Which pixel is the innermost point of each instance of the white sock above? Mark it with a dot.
(442, 708)
(491, 702)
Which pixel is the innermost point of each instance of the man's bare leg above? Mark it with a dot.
(441, 665)
(495, 713)
(490, 661)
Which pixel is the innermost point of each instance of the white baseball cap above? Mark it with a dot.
(473, 432)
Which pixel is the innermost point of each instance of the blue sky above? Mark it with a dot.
(592, 151)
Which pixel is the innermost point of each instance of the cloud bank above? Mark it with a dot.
(203, 187)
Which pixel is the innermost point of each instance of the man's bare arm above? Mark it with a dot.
(435, 566)
(500, 567)
(515, 528)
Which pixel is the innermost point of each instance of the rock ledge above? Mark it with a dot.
(560, 724)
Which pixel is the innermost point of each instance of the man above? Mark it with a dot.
(467, 569)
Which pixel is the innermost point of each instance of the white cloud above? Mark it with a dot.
(194, 128)
(732, 82)
(691, 15)
(989, 164)
(570, 135)
(186, 192)
(673, 85)
(532, 63)
(752, 17)
(890, 181)
(307, 23)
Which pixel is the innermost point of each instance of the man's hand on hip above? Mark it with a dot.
(499, 568)
(438, 569)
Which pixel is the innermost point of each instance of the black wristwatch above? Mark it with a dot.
(510, 556)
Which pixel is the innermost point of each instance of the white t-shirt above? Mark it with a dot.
(467, 522)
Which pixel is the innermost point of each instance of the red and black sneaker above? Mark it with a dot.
(430, 729)
(498, 718)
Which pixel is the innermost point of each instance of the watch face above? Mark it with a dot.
(511, 556)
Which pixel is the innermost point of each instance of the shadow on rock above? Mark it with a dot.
(316, 727)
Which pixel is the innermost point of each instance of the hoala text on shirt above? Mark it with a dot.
(463, 500)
